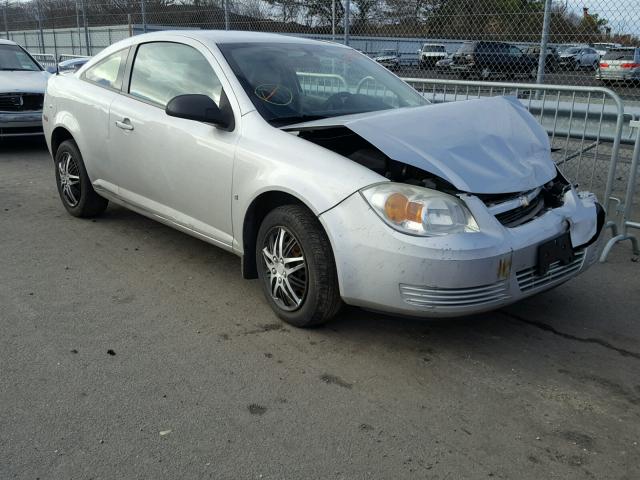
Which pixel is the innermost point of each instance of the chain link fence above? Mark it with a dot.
(566, 42)
(438, 45)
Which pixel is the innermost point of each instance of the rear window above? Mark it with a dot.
(433, 48)
(627, 54)
(467, 47)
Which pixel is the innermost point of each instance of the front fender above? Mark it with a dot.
(269, 159)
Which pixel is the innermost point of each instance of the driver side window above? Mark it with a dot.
(164, 70)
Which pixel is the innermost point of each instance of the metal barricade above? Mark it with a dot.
(45, 59)
(626, 206)
(64, 56)
(585, 124)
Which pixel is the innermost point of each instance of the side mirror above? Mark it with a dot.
(200, 108)
(52, 70)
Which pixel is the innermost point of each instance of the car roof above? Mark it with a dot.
(7, 42)
(233, 36)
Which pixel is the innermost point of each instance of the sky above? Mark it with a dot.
(623, 15)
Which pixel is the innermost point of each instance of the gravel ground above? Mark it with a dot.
(130, 350)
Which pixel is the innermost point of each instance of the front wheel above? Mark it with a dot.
(296, 267)
(75, 189)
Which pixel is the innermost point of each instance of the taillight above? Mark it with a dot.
(630, 65)
(604, 65)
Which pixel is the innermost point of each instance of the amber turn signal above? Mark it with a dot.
(398, 209)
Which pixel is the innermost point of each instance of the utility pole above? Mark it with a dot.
(225, 6)
(39, 20)
(347, 11)
(143, 11)
(333, 20)
(86, 28)
(78, 28)
(4, 14)
(542, 59)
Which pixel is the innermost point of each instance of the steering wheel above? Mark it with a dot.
(363, 81)
(337, 101)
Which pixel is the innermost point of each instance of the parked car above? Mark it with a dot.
(366, 196)
(551, 60)
(22, 85)
(444, 65)
(576, 58)
(489, 59)
(72, 65)
(603, 48)
(430, 53)
(620, 65)
(388, 58)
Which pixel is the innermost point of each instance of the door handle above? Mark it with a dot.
(125, 124)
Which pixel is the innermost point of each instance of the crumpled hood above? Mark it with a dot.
(489, 145)
(25, 82)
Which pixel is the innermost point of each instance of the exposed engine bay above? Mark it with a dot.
(511, 209)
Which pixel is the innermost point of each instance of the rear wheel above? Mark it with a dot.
(296, 267)
(74, 187)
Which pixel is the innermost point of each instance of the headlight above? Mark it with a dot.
(419, 211)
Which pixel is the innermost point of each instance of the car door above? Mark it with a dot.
(180, 170)
(97, 88)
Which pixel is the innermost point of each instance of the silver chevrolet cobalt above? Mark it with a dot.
(333, 180)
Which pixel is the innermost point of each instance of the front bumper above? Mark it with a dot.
(385, 270)
(20, 124)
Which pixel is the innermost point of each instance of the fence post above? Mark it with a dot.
(129, 23)
(55, 43)
(347, 11)
(542, 59)
(225, 6)
(143, 12)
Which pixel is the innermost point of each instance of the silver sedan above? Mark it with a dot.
(332, 179)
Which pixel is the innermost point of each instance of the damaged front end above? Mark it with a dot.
(487, 218)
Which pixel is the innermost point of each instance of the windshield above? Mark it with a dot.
(12, 57)
(293, 82)
(433, 48)
(572, 50)
(626, 54)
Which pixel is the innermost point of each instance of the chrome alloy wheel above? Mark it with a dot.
(285, 268)
(69, 177)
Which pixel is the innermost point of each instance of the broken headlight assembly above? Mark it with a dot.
(419, 211)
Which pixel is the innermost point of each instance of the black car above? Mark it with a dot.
(488, 59)
(551, 61)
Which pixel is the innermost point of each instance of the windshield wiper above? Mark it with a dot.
(284, 121)
(17, 70)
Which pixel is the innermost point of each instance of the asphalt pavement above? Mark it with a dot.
(131, 350)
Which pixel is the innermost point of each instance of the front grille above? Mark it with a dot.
(21, 102)
(523, 214)
(528, 279)
(433, 297)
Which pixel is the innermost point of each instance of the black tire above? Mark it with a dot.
(87, 202)
(321, 299)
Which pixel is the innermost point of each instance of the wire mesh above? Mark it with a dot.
(584, 43)
(587, 43)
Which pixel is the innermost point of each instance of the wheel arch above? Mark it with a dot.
(258, 209)
(58, 135)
